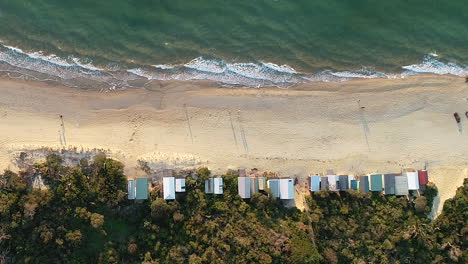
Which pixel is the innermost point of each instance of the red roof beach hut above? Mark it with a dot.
(423, 177)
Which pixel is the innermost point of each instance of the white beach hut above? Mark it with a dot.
(286, 189)
(218, 185)
(413, 180)
(180, 185)
(169, 188)
(332, 182)
(243, 184)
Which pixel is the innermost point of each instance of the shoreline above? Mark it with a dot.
(307, 129)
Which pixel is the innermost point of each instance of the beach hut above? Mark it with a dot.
(324, 183)
(413, 181)
(262, 183)
(364, 184)
(389, 184)
(253, 185)
(423, 177)
(180, 184)
(131, 189)
(243, 185)
(168, 188)
(350, 178)
(274, 186)
(376, 183)
(209, 185)
(343, 186)
(141, 189)
(332, 183)
(314, 183)
(286, 189)
(401, 185)
(218, 185)
(354, 184)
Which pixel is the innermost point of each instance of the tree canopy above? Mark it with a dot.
(84, 217)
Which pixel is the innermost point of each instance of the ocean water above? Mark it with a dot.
(251, 43)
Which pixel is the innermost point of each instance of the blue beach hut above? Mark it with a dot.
(314, 183)
(354, 184)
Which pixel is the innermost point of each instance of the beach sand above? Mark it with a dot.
(313, 127)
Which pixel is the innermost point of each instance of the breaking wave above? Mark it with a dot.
(431, 65)
(79, 72)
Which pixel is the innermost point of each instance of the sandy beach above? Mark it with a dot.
(313, 127)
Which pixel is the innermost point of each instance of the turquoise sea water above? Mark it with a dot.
(245, 42)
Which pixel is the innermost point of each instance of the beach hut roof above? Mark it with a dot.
(180, 184)
(423, 177)
(218, 185)
(413, 181)
(389, 183)
(141, 189)
(401, 185)
(364, 184)
(274, 186)
(243, 184)
(253, 185)
(354, 184)
(332, 179)
(169, 188)
(131, 189)
(286, 189)
(261, 183)
(314, 183)
(376, 183)
(323, 183)
(209, 185)
(343, 179)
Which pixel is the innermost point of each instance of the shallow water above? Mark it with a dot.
(247, 43)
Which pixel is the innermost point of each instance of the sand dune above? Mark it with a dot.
(404, 123)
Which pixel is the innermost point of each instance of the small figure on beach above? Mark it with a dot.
(457, 117)
(466, 79)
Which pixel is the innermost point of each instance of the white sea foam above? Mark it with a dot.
(205, 65)
(141, 73)
(432, 65)
(52, 58)
(86, 65)
(361, 74)
(280, 68)
(249, 74)
(164, 66)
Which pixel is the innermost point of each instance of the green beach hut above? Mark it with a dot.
(141, 188)
(376, 183)
(131, 189)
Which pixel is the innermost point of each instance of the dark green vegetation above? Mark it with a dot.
(85, 218)
(308, 35)
(363, 228)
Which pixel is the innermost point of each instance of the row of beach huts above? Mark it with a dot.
(283, 188)
(389, 183)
